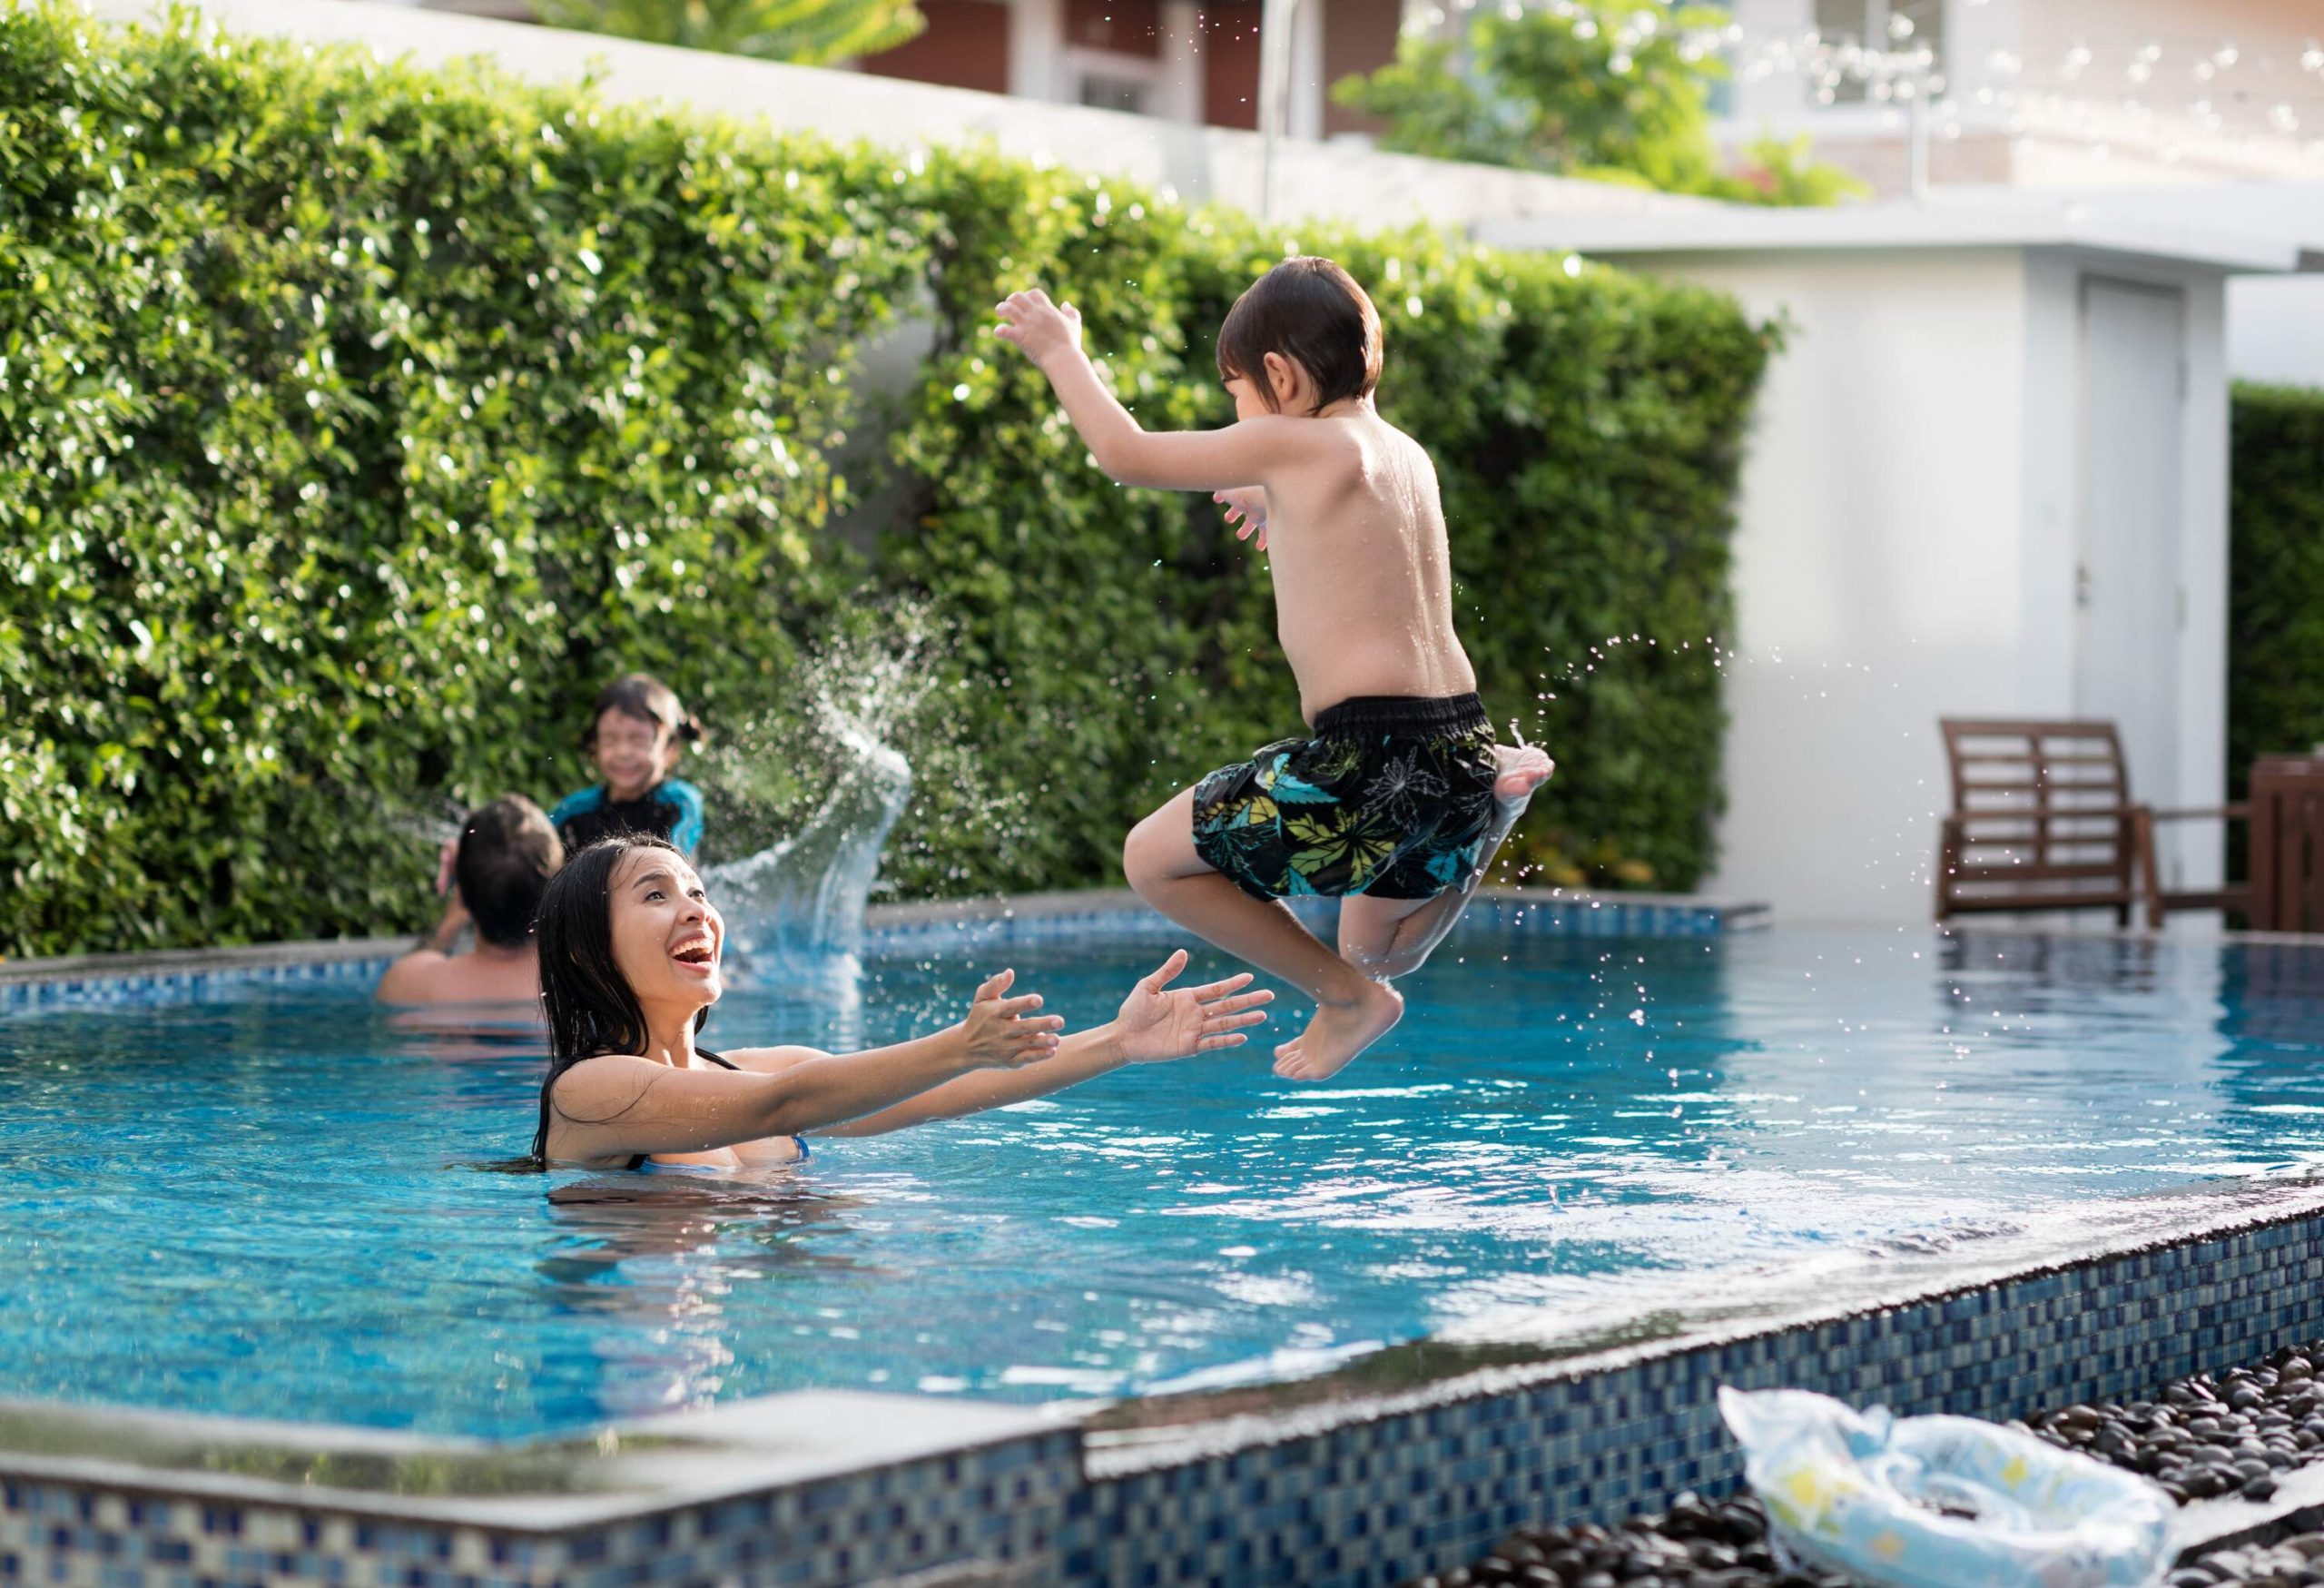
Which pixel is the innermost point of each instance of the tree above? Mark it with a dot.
(1596, 88)
(804, 32)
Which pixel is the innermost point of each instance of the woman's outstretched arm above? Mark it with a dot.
(618, 1107)
(1152, 1024)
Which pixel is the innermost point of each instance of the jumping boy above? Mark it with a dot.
(1397, 802)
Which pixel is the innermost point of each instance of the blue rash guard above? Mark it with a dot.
(671, 809)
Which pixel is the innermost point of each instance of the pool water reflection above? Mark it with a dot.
(276, 1203)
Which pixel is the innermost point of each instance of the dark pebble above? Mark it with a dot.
(2262, 1487)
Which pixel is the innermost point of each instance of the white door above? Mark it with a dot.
(2129, 608)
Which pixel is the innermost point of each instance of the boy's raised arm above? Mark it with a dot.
(1243, 454)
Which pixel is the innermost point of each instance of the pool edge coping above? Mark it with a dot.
(1187, 1444)
(2302, 1200)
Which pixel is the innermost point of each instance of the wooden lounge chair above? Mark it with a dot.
(2042, 819)
(2288, 843)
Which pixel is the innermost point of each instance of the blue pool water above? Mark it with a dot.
(270, 1202)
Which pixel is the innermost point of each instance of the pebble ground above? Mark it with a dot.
(2201, 1438)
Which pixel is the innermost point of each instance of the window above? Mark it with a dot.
(1891, 26)
(1103, 90)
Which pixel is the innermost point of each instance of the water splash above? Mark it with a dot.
(803, 898)
(805, 799)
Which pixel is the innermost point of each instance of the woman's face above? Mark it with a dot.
(667, 937)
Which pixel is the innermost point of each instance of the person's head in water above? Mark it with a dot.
(637, 730)
(628, 939)
(508, 853)
(1301, 337)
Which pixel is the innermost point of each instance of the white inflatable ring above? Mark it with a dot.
(1942, 1502)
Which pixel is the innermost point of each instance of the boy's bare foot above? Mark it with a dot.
(1523, 769)
(1339, 1033)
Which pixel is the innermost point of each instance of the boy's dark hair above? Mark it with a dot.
(1310, 311)
(508, 851)
(649, 700)
(584, 999)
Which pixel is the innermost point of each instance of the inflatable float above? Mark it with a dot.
(1942, 1502)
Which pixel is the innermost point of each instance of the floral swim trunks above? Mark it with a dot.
(1392, 797)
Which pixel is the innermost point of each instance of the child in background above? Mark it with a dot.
(636, 735)
(1399, 798)
(495, 872)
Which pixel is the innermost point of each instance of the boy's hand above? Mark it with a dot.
(999, 1033)
(1041, 328)
(1246, 508)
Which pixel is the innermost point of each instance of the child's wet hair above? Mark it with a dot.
(508, 852)
(1312, 312)
(649, 700)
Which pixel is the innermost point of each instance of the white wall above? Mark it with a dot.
(1879, 574)
(1906, 550)
(2275, 329)
(2275, 324)
(1315, 180)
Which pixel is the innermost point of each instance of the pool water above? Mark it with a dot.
(275, 1202)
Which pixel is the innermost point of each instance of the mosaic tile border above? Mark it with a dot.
(1362, 1496)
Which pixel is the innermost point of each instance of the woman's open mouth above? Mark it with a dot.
(698, 956)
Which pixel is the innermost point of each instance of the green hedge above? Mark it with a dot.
(356, 420)
(2275, 679)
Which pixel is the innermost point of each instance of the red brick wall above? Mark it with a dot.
(1359, 35)
(966, 47)
(1127, 27)
(1228, 37)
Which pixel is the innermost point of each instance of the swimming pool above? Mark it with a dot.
(270, 1200)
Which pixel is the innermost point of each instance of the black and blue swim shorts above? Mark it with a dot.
(1391, 798)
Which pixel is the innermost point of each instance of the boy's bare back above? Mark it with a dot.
(1363, 578)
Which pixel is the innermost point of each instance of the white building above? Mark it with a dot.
(1195, 161)
(2041, 92)
(1194, 62)
(1988, 478)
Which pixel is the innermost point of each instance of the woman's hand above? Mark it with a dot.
(1042, 328)
(1154, 1024)
(998, 1033)
(1246, 508)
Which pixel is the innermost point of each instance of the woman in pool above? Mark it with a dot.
(629, 947)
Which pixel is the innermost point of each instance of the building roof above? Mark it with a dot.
(2150, 228)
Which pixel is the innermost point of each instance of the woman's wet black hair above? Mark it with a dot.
(649, 700)
(1310, 311)
(589, 1007)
